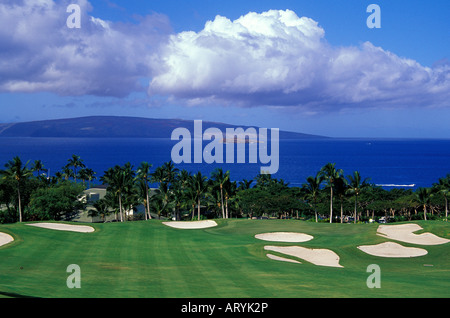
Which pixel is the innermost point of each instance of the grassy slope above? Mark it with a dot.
(149, 259)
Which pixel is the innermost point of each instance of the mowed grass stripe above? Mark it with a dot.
(62, 257)
(224, 262)
(153, 264)
(122, 266)
(203, 274)
(97, 258)
(203, 267)
(254, 273)
(183, 271)
(42, 258)
(21, 265)
(142, 258)
(234, 275)
(166, 266)
(206, 271)
(119, 261)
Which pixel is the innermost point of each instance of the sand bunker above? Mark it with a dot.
(290, 237)
(391, 249)
(5, 238)
(191, 224)
(64, 227)
(404, 233)
(283, 259)
(322, 257)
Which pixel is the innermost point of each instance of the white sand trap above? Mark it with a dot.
(404, 233)
(5, 238)
(283, 259)
(391, 249)
(64, 227)
(290, 237)
(191, 224)
(321, 257)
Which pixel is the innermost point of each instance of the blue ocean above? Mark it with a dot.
(387, 162)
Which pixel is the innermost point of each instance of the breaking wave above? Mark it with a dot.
(397, 185)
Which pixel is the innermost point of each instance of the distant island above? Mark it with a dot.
(117, 127)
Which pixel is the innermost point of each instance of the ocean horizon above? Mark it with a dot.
(403, 163)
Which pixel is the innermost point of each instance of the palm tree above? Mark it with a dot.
(443, 187)
(263, 180)
(311, 189)
(100, 207)
(164, 195)
(191, 194)
(423, 197)
(128, 177)
(38, 166)
(356, 186)
(169, 172)
(219, 178)
(183, 181)
(90, 175)
(75, 162)
(110, 178)
(330, 174)
(157, 176)
(112, 202)
(183, 177)
(214, 199)
(141, 189)
(157, 203)
(341, 188)
(230, 192)
(67, 172)
(177, 196)
(245, 184)
(15, 170)
(86, 174)
(143, 173)
(120, 182)
(59, 176)
(200, 185)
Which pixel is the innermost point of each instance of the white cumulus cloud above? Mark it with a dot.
(277, 58)
(273, 58)
(38, 52)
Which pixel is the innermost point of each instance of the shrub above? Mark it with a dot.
(55, 203)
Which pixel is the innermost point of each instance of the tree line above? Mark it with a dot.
(28, 193)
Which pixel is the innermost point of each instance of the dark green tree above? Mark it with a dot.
(423, 197)
(331, 174)
(75, 162)
(17, 172)
(311, 190)
(143, 175)
(355, 186)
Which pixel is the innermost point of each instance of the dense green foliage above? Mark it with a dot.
(328, 196)
(28, 195)
(55, 203)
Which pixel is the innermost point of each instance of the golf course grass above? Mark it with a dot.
(149, 259)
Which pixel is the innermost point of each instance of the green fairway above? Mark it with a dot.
(150, 259)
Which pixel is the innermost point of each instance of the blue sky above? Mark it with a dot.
(307, 66)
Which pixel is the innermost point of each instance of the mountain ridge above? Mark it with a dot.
(117, 127)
